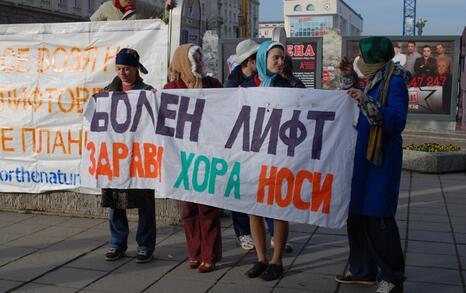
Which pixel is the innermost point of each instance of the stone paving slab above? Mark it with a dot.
(132, 277)
(229, 288)
(70, 277)
(431, 288)
(6, 285)
(167, 284)
(431, 248)
(9, 254)
(433, 275)
(309, 281)
(428, 226)
(429, 260)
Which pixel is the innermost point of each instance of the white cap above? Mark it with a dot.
(245, 49)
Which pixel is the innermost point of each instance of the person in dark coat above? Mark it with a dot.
(118, 200)
(374, 240)
(288, 73)
(201, 222)
(426, 65)
(246, 58)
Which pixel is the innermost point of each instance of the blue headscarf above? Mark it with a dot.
(261, 60)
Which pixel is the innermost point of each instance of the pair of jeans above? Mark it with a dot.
(241, 224)
(119, 229)
(375, 248)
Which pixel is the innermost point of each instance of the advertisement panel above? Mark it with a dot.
(304, 55)
(433, 64)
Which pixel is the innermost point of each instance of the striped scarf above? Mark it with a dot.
(374, 148)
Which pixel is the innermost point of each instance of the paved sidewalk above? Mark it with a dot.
(63, 254)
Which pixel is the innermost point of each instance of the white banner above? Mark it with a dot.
(276, 152)
(47, 74)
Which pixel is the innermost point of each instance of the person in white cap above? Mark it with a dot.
(246, 58)
(231, 65)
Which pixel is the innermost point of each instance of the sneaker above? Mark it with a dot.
(272, 272)
(114, 253)
(387, 287)
(288, 248)
(246, 243)
(350, 279)
(256, 270)
(144, 255)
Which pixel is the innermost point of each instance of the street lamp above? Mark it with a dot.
(420, 24)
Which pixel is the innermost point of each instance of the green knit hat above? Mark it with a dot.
(376, 50)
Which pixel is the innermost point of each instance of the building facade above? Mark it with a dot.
(224, 16)
(313, 18)
(42, 11)
(266, 28)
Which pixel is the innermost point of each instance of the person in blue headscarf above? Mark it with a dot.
(270, 62)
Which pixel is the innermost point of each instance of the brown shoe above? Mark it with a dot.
(205, 267)
(193, 263)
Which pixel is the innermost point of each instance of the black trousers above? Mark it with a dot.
(375, 248)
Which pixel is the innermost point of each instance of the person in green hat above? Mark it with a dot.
(374, 240)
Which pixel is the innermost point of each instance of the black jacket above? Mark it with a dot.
(117, 86)
(236, 78)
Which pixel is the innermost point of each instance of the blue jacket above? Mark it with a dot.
(375, 189)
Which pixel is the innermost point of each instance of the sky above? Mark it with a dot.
(385, 17)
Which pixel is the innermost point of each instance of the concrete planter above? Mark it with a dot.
(436, 163)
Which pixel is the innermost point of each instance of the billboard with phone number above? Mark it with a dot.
(433, 64)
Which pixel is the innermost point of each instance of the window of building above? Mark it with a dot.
(298, 8)
(76, 3)
(310, 26)
(45, 3)
(310, 7)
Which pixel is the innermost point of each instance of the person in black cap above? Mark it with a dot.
(118, 200)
